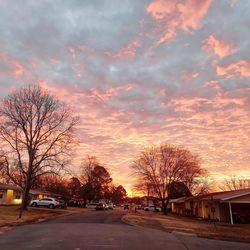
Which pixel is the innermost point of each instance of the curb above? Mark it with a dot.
(184, 234)
(128, 222)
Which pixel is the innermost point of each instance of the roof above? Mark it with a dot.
(224, 196)
(8, 186)
(47, 193)
(32, 191)
(181, 199)
(219, 196)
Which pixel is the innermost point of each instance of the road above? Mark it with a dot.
(102, 230)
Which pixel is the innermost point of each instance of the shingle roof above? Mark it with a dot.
(181, 199)
(220, 196)
(32, 191)
(226, 195)
(7, 186)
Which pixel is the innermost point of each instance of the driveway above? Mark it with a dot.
(102, 230)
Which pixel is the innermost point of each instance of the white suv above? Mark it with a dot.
(91, 205)
(46, 202)
(152, 208)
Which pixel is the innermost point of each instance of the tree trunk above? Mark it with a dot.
(148, 197)
(25, 198)
(164, 207)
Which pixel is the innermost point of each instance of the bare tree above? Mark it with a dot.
(164, 165)
(88, 164)
(235, 183)
(200, 186)
(37, 132)
(143, 186)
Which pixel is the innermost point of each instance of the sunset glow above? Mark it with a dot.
(139, 73)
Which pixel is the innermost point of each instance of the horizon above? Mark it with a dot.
(139, 74)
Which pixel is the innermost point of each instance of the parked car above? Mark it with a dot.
(91, 205)
(126, 207)
(111, 206)
(63, 203)
(152, 208)
(241, 215)
(45, 202)
(139, 207)
(101, 206)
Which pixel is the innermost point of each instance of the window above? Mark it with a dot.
(1, 195)
(46, 199)
(18, 196)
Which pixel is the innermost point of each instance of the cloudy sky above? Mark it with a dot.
(139, 72)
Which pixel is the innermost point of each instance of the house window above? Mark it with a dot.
(18, 196)
(1, 195)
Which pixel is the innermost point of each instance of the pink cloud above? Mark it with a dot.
(54, 60)
(15, 68)
(189, 75)
(213, 85)
(218, 46)
(86, 48)
(128, 51)
(192, 13)
(159, 9)
(233, 2)
(171, 15)
(105, 95)
(72, 51)
(19, 70)
(239, 69)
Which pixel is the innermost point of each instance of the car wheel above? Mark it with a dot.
(51, 206)
(34, 204)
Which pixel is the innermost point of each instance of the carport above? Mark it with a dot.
(220, 206)
(236, 202)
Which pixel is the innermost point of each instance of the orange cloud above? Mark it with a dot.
(173, 15)
(239, 69)
(219, 47)
(192, 13)
(159, 9)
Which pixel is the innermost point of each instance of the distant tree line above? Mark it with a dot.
(93, 185)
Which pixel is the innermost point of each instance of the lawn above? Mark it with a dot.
(224, 231)
(9, 215)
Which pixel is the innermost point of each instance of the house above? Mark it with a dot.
(219, 206)
(12, 195)
(181, 206)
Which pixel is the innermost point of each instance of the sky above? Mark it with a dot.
(138, 73)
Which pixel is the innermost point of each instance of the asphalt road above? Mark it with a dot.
(102, 230)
